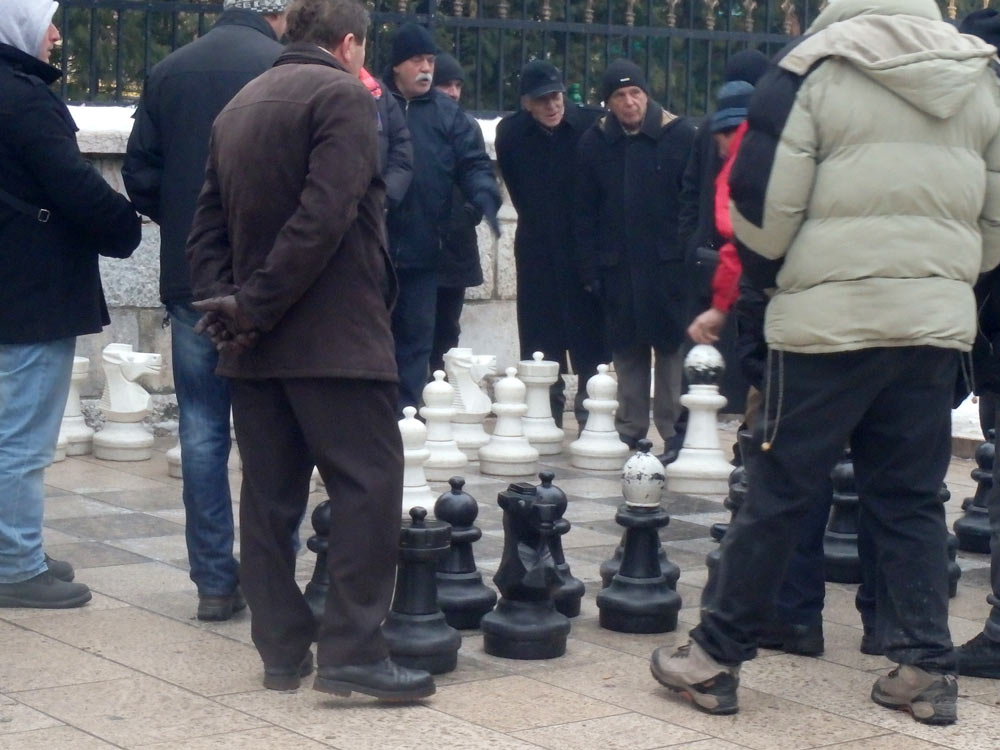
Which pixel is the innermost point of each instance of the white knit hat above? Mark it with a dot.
(257, 6)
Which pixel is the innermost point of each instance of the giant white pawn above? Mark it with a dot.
(509, 454)
(465, 371)
(539, 426)
(125, 404)
(415, 489)
(599, 447)
(701, 467)
(445, 460)
(74, 430)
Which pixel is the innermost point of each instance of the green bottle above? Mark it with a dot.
(574, 93)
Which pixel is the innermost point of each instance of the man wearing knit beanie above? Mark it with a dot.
(57, 215)
(630, 254)
(163, 172)
(447, 152)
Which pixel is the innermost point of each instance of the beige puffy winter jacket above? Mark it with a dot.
(872, 170)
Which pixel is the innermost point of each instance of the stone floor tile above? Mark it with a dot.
(842, 647)
(636, 644)
(129, 582)
(969, 603)
(77, 506)
(578, 652)
(846, 692)
(85, 477)
(110, 631)
(16, 718)
(266, 738)
(585, 511)
(31, 661)
(517, 702)
(155, 468)
(174, 515)
(361, 723)
(123, 525)
(54, 738)
(765, 722)
(137, 711)
(471, 669)
(160, 498)
(97, 601)
(710, 744)
(51, 537)
(93, 554)
(210, 665)
(163, 548)
(620, 732)
(590, 487)
(886, 742)
(182, 606)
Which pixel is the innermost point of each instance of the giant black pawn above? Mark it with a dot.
(461, 593)
(973, 528)
(571, 590)
(640, 599)
(954, 571)
(739, 483)
(525, 623)
(319, 543)
(840, 542)
(416, 631)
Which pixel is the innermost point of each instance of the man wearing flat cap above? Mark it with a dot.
(536, 152)
(629, 252)
(446, 152)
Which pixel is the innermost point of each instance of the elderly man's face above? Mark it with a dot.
(629, 104)
(548, 109)
(415, 76)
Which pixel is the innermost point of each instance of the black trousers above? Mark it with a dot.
(347, 429)
(447, 326)
(894, 407)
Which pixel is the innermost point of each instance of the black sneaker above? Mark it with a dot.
(219, 608)
(60, 569)
(382, 679)
(979, 657)
(870, 645)
(44, 591)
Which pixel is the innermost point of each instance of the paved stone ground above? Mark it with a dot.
(134, 669)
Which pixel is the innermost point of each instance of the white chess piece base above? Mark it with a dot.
(174, 462)
(701, 467)
(123, 441)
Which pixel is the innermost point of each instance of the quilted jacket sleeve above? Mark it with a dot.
(989, 218)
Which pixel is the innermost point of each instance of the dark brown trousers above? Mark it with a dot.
(346, 428)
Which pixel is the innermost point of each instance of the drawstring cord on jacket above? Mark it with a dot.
(768, 441)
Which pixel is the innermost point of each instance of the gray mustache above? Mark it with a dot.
(424, 77)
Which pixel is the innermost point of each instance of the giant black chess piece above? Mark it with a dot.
(416, 631)
(319, 543)
(640, 598)
(525, 623)
(610, 566)
(739, 483)
(571, 590)
(954, 571)
(461, 593)
(973, 529)
(840, 542)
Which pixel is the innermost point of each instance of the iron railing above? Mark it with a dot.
(110, 45)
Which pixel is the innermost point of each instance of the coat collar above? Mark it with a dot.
(657, 119)
(306, 53)
(32, 66)
(242, 17)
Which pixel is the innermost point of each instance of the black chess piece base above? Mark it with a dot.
(973, 530)
(525, 630)
(464, 598)
(841, 563)
(422, 642)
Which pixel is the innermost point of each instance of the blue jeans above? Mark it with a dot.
(413, 328)
(203, 399)
(34, 384)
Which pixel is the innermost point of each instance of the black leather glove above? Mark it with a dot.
(489, 205)
(594, 287)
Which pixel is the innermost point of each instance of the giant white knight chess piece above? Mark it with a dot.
(125, 404)
(701, 467)
(465, 371)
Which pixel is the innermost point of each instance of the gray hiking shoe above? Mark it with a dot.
(929, 697)
(709, 685)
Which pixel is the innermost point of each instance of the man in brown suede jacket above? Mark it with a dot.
(287, 254)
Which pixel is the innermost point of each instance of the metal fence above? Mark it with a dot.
(110, 45)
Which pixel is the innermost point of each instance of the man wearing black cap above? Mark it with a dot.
(628, 247)
(446, 152)
(536, 152)
(460, 266)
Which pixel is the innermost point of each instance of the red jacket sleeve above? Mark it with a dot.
(725, 281)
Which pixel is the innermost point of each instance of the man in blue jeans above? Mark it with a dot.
(164, 171)
(57, 214)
